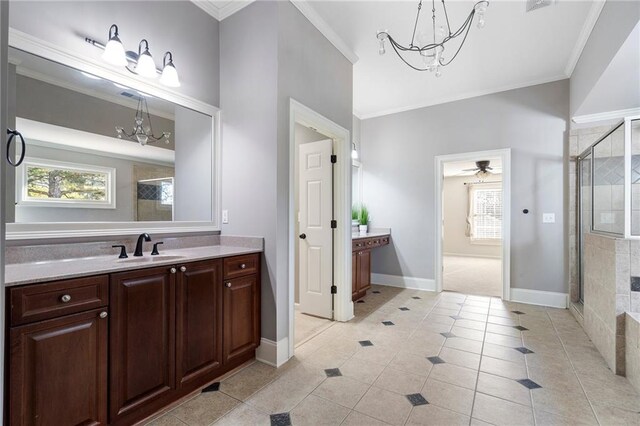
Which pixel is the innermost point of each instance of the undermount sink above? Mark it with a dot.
(146, 259)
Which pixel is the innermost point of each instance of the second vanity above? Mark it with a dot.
(102, 340)
(361, 259)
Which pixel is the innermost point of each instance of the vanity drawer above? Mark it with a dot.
(43, 301)
(358, 245)
(240, 266)
(384, 241)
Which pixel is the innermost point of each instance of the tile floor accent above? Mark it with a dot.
(472, 275)
(549, 374)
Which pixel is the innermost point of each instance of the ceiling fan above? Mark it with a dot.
(481, 166)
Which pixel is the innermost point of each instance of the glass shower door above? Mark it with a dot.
(584, 211)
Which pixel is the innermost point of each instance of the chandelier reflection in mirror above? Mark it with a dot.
(428, 55)
(142, 133)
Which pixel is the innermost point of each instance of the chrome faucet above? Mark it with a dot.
(145, 237)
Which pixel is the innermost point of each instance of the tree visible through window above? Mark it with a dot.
(486, 221)
(58, 183)
(49, 183)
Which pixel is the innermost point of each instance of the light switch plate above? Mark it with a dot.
(548, 218)
(225, 216)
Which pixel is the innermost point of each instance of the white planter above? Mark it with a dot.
(363, 229)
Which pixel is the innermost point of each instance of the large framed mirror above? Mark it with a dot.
(87, 170)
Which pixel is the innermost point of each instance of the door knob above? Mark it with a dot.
(303, 236)
(183, 269)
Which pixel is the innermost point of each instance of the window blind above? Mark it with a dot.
(487, 214)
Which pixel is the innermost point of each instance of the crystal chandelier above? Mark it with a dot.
(431, 52)
(141, 133)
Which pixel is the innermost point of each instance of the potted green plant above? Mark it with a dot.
(355, 216)
(364, 219)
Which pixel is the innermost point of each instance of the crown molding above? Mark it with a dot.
(583, 37)
(462, 96)
(209, 7)
(312, 15)
(605, 116)
(220, 13)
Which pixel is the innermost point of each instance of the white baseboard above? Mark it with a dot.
(404, 282)
(273, 353)
(538, 297)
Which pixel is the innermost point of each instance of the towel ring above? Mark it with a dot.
(12, 134)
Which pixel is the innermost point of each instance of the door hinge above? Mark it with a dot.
(334, 289)
(334, 224)
(334, 158)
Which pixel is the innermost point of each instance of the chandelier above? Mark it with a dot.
(431, 52)
(141, 133)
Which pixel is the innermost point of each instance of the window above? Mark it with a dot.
(486, 213)
(48, 183)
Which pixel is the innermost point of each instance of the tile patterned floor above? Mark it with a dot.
(472, 275)
(307, 326)
(447, 359)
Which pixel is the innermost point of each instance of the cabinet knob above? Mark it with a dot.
(183, 269)
(228, 285)
(66, 298)
(173, 270)
(243, 266)
(103, 314)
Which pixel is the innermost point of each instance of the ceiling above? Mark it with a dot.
(460, 168)
(515, 49)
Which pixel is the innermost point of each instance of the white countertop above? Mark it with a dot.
(374, 233)
(51, 270)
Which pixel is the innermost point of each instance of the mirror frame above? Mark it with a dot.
(54, 230)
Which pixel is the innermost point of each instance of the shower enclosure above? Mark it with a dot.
(609, 187)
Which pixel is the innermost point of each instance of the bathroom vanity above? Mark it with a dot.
(120, 344)
(361, 260)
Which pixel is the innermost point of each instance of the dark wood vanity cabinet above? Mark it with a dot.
(142, 341)
(199, 323)
(361, 264)
(159, 334)
(57, 355)
(58, 371)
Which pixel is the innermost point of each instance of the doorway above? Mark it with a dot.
(472, 223)
(336, 291)
(314, 245)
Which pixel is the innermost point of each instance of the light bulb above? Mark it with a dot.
(114, 53)
(381, 50)
(146, 67)
(354, 154)
(438, 72)
(481, 21)
(169, 76)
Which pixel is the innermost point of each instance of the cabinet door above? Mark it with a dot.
(199, 323)
(142, 341)
(241, 317)
(364, 272)
(354, 275)
(58, 373)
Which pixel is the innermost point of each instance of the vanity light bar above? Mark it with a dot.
(143, 64)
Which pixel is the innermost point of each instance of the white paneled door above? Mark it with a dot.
(315, 245)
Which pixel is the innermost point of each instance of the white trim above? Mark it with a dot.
(317, 21)
(467, 95)
(583, 37)
(223, 12)
(605, 116)
(47, 50)
(628, 187)
(404, 282)
(273, 353)
(539, 297)
(505, 157)
(343, 305)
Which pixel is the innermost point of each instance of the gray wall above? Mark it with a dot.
(616, 21)
(177, 26)
(248, 98)
(399, 177)
(193, 179)
(270, 53)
